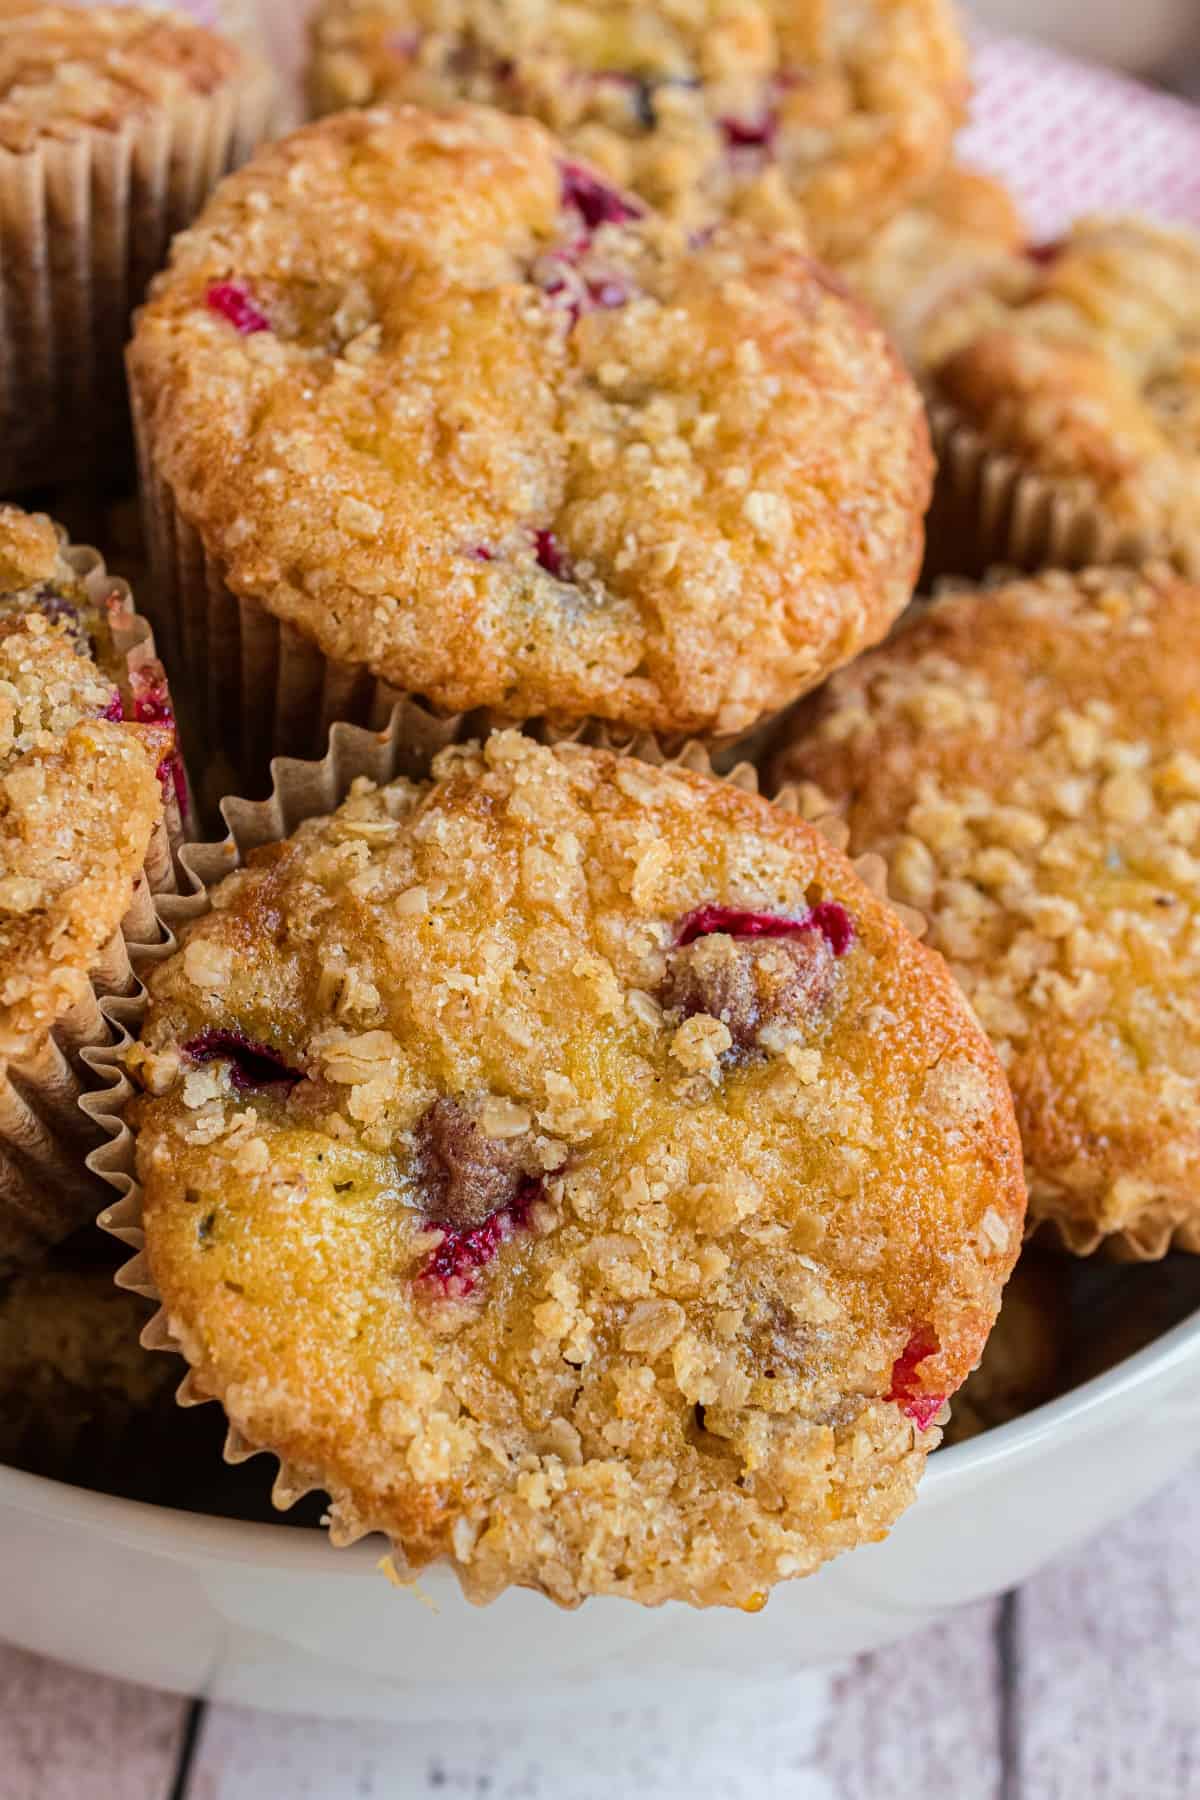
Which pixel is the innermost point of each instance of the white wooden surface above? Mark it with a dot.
(1083, 1686)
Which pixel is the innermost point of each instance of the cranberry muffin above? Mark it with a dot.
(966, 223)
(115, 122)
(820, 118)
(86, 752)
(434, 400)
(1077, 364)
(1027, 760)
(571, 1166)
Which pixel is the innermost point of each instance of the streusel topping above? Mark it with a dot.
(1083, 358)
(797, 115)
(79, 788)
(1028, 762)
(459, 411)
(69, 69)
(571, 1166)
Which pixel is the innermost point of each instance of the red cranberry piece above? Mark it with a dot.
(750, 134)
(552, 557)
(481, 553)
(115, 710)
(151, 705)
(254, 1065)
(596, 203)
(905, 1390)
(829, 917)
(450, 1269)
(1044, 254)
(232, 301)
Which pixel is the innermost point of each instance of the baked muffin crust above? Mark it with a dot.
(572, 1166)
(68, 70)
(805, 115)
(966, 222)
(80, 793)
(461, 413)
(1080, 358)
(1028, 762)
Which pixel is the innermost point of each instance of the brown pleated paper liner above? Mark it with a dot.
(84, 223)
(1051, 1219)
(990, 510)
(45, 1189)
(300, 790)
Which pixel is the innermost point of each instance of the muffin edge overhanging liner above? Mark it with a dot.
(300, 790)
(40, 1138)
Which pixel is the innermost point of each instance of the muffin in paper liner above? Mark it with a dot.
(554, 523)
(301, 790)
(1053, 1221)
(45, 1190)
(86, 216)
(1063, 386)
(989, 510)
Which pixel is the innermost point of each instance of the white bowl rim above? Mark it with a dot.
(203, 1537)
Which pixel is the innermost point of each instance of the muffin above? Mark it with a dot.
(426, 409)
(1066, 391)
(573, 1168)
(89, 793)
(802, 116)
(115, 122)
(1027, 760)
(1023, 1362)
(966, 224)
(75, 1384)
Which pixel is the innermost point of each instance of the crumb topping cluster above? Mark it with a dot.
(67, 69)
(804, 116)
(557, 1159)
(578, 467)
(79, 797)
(1028, 762)
(1082, 357)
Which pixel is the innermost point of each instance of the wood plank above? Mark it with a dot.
(925, 1716)
(1108, 1662)
(64, 1734)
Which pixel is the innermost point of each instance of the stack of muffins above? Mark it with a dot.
(563, 1157)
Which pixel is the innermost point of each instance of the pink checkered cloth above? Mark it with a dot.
(1070, 138)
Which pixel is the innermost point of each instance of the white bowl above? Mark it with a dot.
(271, 1616)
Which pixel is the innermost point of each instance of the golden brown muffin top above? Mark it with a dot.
(809, 115)
(66, 70)
(1028, 762)
(1082, 358)
(575, 1169)
(459, 411)
(79, 793)
(966, 222)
